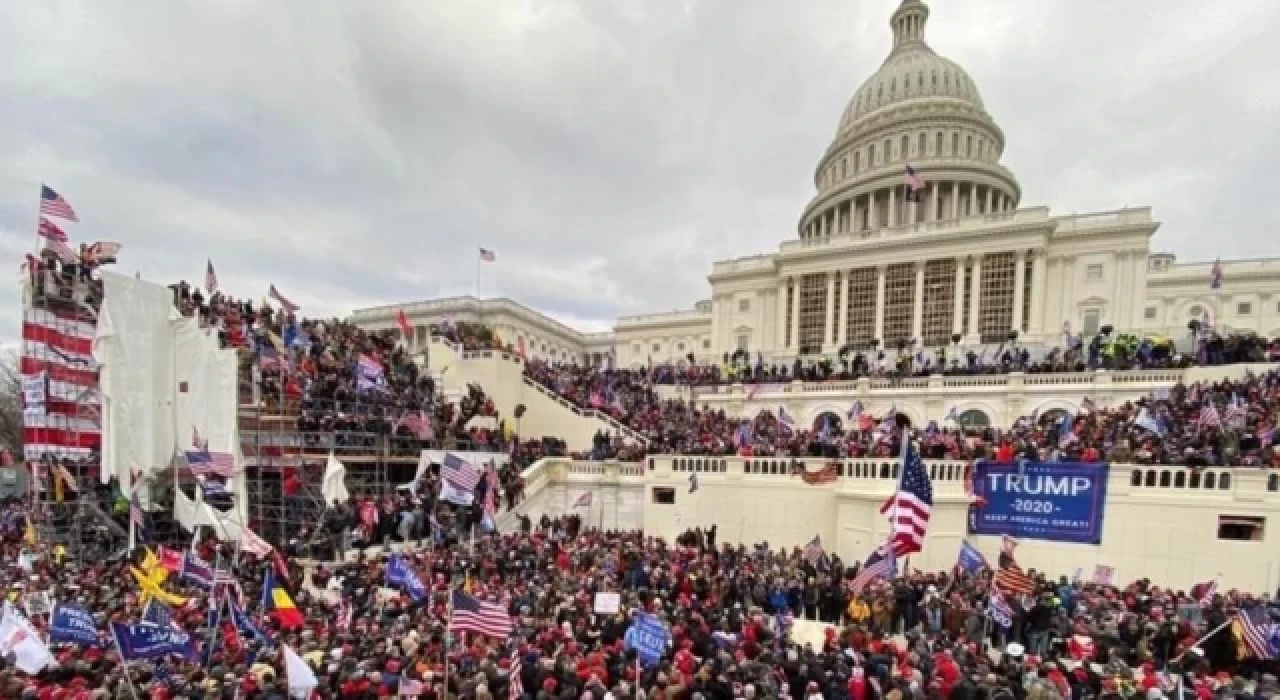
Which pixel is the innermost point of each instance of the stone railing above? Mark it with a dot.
(1012, 380)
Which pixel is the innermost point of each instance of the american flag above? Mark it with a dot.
(417, 423)
(910, 507)
(1209, 416)
(1012, 579)
(459, 472)
(1260, 635)
(53, 204)
(1215, 275)
(881, 564)
(813, 550)
(487, 255)
(63, 251)
(1235, 413)
(1204, 592)
(210, 278)
(50, 230)
(275, 294)
(410, 687)
(138, 518)
(914, 183)
(472, 615)
(206, 463)
(515, 684)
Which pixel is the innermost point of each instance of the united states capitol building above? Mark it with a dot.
(965, 259)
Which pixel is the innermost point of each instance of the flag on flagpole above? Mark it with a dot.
(880, 564)
(210, 278)
(279, 298)
(1261, 637)
(914, 185)
(473, 615)
(487, 255)
(53, 204)
(50, 230)
(584, 500)
(406, 328)
(910, 507)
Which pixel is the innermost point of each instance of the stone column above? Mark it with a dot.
(932, 213)
(913, 209)
(893, 207)
(1038, 282)
(842, 309)
(1120, 310)
(917, 313)
(880, 280)
(795, 314)
(957, 310)
(975, 299)
(1068, 293)
(973, 200)
(873, 218)
(1019, 284)
(780, 323)
(955, 201)
(829, 312)
(990, 198)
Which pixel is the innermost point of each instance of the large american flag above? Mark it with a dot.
(880, 564)
(1012, 579)
(472, 615)
(52, 204)
(57, 359)
(910, 507)
(206, 463)
(459, 472)
(487, 255)
(914, 183)
(1259, 634)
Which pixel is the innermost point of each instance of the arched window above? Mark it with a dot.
(937, 145)
(857, 160)
(844, 166)
(973, 419)
(920, 147)
(888, 150)
(871, 156)
(906, 147)
(968, 146)
(825, 419)
(955, 143)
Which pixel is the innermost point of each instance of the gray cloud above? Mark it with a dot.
(607, 150)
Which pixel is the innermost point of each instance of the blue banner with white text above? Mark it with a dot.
(1055, 501)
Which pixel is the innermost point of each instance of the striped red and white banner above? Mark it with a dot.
(59, 347)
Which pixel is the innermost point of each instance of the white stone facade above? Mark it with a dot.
(877, 261)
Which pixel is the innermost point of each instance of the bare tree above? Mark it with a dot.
(10, 404)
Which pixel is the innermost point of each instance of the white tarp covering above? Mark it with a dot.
(334, 486)
(134, 347)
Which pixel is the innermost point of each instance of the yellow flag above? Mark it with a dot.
(466, 584)
(151, 589)
(151, 567)
(31, 537)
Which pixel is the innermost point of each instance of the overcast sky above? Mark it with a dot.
(358, 153)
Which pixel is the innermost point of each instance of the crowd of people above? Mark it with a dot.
(730, 613)
(1225, 423)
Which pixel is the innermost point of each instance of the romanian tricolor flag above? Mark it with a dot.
(276, 599)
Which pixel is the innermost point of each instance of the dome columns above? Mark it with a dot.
(889, 207)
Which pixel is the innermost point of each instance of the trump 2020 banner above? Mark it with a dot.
(1056, 501)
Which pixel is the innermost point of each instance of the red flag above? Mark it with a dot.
(50, 230)
(406, 328)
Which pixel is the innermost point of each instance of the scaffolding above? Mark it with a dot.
(62, 433)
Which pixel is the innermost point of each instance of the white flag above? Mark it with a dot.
(19, 638)
(302, 680)
(334, 486)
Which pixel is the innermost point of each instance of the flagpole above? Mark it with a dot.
(128, 678)
(448, 633)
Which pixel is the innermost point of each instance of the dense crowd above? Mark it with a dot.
(730, 613)
(1226, 423)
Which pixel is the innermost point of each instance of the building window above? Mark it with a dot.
(920, 146)
(968, 146)
(664, 495)
(744, 340)
(955, 144)
(744, 305)
(937, 144)
(813, 310)
(1195, 312)
(1093, 272)
(906, 146)
(857, 160)
(1150, 313)
(1241, 528)
(680, 347)
(888, 150)
(995, 313)
(860, 306)
(871, 155)
(637, 350)
(1092, 320)
(844, 166)
(657, 347)
(973, 418)
(1244, 308)
(706, 343)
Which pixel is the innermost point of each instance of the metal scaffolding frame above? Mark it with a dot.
(76, 517)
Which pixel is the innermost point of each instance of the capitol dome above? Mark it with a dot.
(920, 111)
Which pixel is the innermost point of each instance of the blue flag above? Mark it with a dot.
(151, 642)
(400, 575)
(158, 614)
(197, 571)
(971, 560)
(72, 624)
(245, 624)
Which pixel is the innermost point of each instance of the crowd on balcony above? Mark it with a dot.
(732, 614)
(1122, 352)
